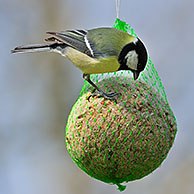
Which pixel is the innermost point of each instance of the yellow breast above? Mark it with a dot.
(90, 65)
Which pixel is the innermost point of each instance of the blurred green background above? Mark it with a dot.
(38, 90)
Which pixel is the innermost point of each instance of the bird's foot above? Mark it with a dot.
(109, 96)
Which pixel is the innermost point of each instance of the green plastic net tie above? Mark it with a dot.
(121, 187)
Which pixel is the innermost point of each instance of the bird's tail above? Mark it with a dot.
(34, 48)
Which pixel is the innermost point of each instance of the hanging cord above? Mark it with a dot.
(117, 7)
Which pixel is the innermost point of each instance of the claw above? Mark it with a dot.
(109, 96)
(91, 95)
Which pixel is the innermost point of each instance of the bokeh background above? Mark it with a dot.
(38, 90)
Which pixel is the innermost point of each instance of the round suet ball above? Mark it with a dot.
(120, 141)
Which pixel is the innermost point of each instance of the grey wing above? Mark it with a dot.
(73, 38)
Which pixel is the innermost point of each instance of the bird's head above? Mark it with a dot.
(133, 57)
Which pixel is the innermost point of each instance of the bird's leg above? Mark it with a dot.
(103, 94)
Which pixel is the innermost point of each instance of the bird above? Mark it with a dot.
(95, 51)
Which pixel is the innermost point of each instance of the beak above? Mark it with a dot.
(135, 75)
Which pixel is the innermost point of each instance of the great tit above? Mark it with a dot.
(94, 51)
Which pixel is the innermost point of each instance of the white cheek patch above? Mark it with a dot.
(132, 60)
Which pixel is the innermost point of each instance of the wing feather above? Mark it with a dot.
(74, 39)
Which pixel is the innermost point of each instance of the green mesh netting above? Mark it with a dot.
(126, 140)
